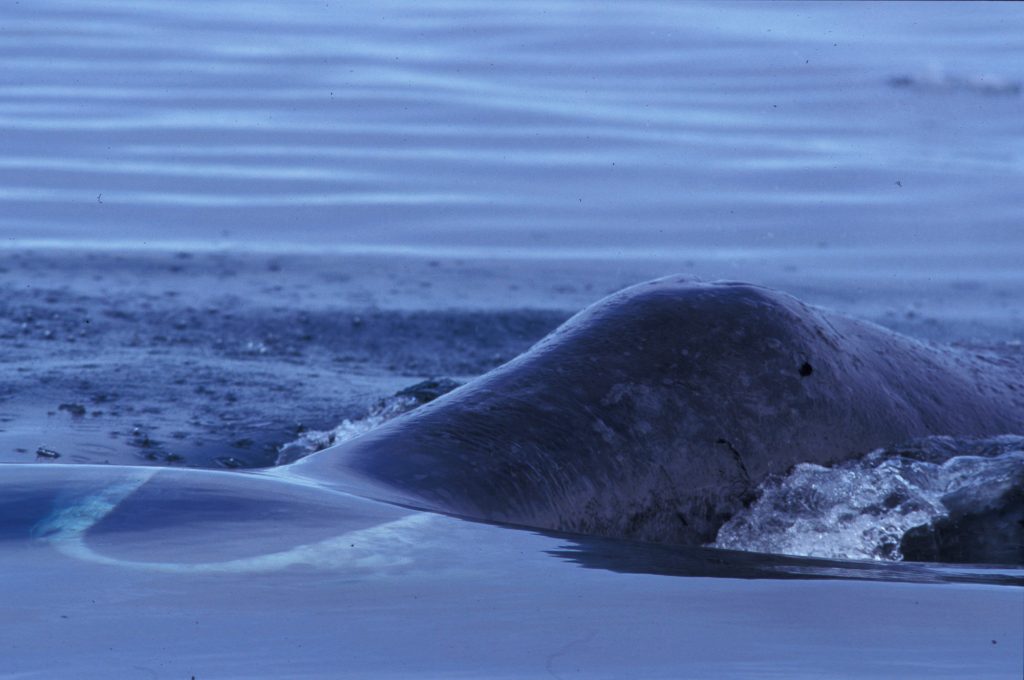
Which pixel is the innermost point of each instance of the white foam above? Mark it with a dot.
(862, 509)
(318, 440)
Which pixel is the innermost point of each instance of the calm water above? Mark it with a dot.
(868, 157)
(555, 128)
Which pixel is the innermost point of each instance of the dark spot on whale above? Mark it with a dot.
(806, 370)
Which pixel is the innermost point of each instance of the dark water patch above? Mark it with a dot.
(938, 82)
(645, 558)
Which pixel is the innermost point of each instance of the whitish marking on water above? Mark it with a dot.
(371, 549)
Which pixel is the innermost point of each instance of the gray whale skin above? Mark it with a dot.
(654, 413)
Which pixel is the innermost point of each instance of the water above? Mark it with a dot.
(534, 128)
(864, 509)
(227, 227)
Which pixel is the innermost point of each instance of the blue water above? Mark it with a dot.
(868, 157)
(520, 127)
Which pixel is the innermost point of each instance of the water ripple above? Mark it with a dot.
(673, 123)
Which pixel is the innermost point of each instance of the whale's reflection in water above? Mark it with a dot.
(645, 558)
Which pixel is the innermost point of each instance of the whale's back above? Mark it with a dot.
(655, 413)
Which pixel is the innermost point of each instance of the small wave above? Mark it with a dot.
(952, 496)
(384, 410)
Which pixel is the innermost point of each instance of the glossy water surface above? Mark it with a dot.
(180, 573)
(541, 128)
(868, 157)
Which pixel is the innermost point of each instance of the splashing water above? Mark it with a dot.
(383, 411)
(318, 440)
(862, 509)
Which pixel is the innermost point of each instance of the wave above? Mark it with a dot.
(384, 410)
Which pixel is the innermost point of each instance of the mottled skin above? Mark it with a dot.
(654, 413)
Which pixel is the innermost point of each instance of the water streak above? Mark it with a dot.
(530, 125)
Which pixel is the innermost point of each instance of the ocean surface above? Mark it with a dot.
(234, 233)
(544, 129)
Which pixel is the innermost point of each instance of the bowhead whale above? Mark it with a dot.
(655, 413)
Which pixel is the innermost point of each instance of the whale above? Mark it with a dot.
(655, 413)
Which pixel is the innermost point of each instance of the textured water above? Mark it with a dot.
(651, 129)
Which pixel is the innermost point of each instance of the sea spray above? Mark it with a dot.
(864, 509)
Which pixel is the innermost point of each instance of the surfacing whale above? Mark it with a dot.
(655, 413)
